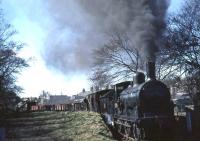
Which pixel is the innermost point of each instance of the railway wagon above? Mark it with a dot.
(107, 102)
(79, 105)
(94, 100)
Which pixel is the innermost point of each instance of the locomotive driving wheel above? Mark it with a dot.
(127, 130)
(134, 130)
(119, 127)
(138, 133)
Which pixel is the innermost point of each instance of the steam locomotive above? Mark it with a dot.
(142, 110)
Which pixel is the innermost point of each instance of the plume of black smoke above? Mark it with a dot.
(90, 21)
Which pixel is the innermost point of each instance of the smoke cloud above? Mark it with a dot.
(79, 26)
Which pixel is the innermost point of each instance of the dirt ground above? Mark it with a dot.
(56, 126)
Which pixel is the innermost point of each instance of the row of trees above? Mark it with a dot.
(178, 58)
(10, 65)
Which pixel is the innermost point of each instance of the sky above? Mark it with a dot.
(51, 47)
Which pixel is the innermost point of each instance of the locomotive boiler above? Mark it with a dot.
(145, 109)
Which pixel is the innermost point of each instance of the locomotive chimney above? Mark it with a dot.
(150, 68)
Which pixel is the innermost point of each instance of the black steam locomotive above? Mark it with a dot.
(140, 111)
(145, 110)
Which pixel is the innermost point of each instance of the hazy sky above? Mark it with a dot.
(36, 23)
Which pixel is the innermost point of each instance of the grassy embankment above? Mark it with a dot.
(57, 126)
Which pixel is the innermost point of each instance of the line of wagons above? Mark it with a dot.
(98, 101)
(70, 105)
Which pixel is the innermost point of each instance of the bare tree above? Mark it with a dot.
(116, 60)
(181, 55)
(10, 63)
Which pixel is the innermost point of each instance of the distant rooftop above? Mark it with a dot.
(58, 99)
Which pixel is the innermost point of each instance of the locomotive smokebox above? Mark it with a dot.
(150, 68)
